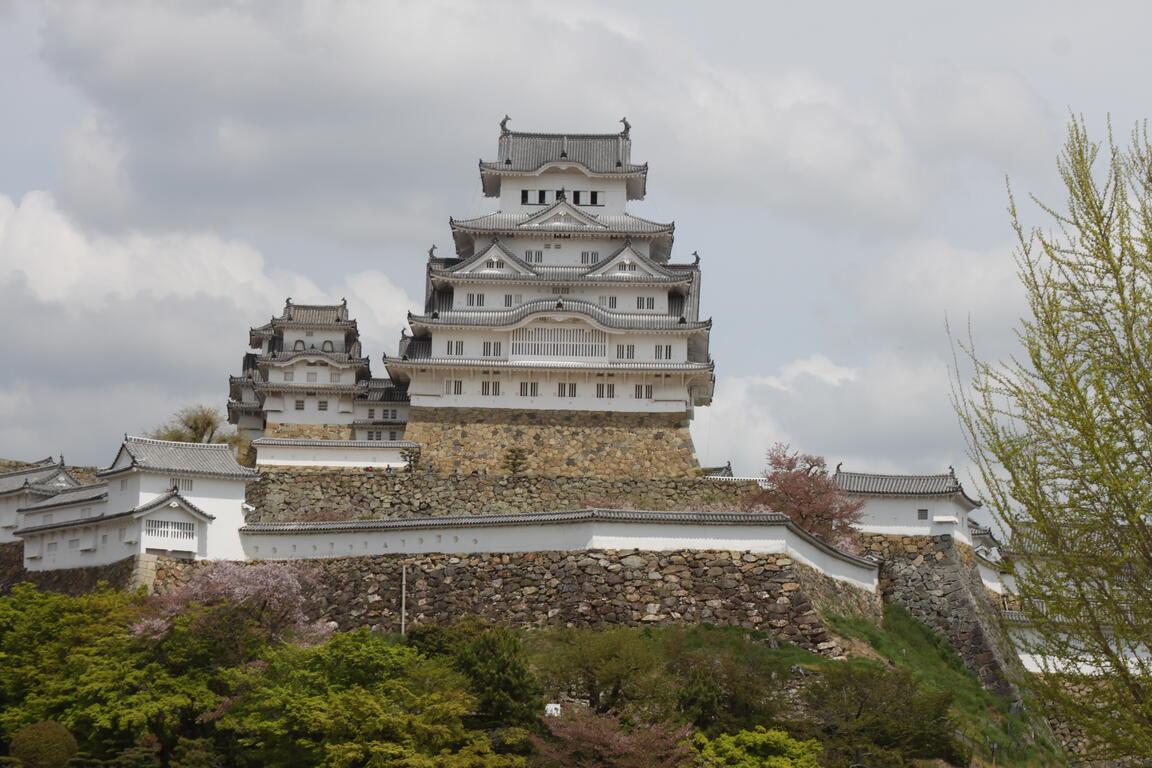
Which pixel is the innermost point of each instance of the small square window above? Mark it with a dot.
(322, 405)
(921, 514)
(299, 405)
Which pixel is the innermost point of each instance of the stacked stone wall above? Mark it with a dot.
(565, 443)
(309, 431)
(348, 494)
(770, 592)
(938, 581)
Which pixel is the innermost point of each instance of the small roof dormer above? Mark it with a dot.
(144, 454)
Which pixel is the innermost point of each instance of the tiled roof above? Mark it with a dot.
(623, 224)
(288, 355)
(289, 442)
(78, 495)
(14, 481)
(144, 508)
(869, 484)
(574, 273)
(607, 318)
(598, 152)
(209, 459)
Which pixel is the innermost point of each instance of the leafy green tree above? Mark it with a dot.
(506, 691)
(46, 744)
(614, 670)
(413, 457)
(861, 710)
(758, 748)
(1059, 436)
(445, 639)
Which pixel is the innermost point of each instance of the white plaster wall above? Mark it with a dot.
(96, 544)
(669, 391)
(495, 296)
(9, 519)
(571, 248)
(897, 515)
(329, 456)
(644, 344)
(317, 339)
(575, 536)
(991, 577)
(299, 369)
(615, 190)
(282, 408)
(361, 410)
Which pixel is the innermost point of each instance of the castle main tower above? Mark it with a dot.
(559, 325)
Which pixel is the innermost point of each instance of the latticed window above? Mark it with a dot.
(643, 391)
(566, 389)
(490, 388)
(529, 389)
(171, 529)
(559, 342)
(605, 390)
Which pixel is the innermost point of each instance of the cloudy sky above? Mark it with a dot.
(170, 172)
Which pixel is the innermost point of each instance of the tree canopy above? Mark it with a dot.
(1060, 438)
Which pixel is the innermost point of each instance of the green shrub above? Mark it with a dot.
(46, 744)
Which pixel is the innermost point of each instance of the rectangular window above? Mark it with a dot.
(605, 390)
(492, 349)
(453, 387)
(921, 514)
(578, 197)
(589, 257)
(371, 413)
(625, 266)
(391, 414)
(322, 405)
(529, 389)
(73, 543)
(391, 435)
(645, 302)
(625, 351)
(663, 351)
(566, 389)
(170, 528)
(507, 299)
(561, 291)
(524, 197)
(534, 257)
(120, 532)
(333, 377)
(608, 301)
(490, 388)
(182, 484)
(455, 347)
(643, 391)
(50, 546)
(475, 299)
(310, 376)
(124, 484)
(308, 333)
(595, 198)
(289, 375)
(541, 197)
(299, 405)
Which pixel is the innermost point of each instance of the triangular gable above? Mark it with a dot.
(644, 266)
(171, 500)
(494, 251)
(562, 213)
(123, 460)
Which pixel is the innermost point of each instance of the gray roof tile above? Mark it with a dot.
(14, 481)
(608, 318)
(624, 223)
(869, 484)
(78, 495)
(598, 152)
(147, 506)
(211, 459)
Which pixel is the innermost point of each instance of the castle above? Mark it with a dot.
(559, 326)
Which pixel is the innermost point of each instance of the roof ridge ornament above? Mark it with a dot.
(695, 258)
(432, 252)
(504, 126)
(627, 127)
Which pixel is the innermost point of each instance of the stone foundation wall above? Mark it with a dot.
(348, 494)
(772, 593)
(566, 443)
(71, 581)
(938, 581)
(309, 431)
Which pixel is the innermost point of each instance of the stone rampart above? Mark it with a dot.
(309, 431)
(335, 494)
(566, 443)
(121, 574)
(938, 581)
(768, 592)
